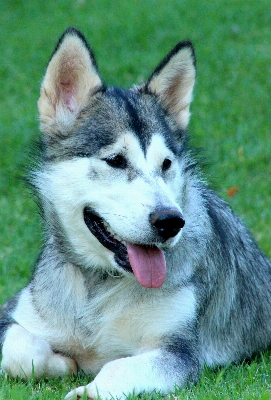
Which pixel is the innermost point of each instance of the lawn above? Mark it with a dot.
(231, 122)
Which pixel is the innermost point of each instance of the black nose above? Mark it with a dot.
(168, 222)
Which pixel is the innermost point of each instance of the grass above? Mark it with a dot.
(231, 121)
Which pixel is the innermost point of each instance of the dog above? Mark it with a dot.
(146, 275)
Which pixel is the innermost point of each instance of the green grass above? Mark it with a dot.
(231, 122)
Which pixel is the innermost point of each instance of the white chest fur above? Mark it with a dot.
(118, 321)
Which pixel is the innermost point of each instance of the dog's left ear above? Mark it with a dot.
(70, 80)
(173, 81)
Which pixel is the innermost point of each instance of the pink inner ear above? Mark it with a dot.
(68, 94)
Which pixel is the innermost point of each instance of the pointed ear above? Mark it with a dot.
(173, 81)
(70, 79)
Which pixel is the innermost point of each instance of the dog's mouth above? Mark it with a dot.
(100, 230)
(146, 262)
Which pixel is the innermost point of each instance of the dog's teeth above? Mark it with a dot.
(110, 230)
(117, 237)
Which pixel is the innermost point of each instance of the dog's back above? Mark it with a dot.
(236, 311)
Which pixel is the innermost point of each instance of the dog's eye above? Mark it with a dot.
(166, 164)
(116, 161)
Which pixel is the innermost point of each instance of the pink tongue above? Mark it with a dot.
(148, 265)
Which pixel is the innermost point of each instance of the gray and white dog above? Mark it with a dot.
(146, 274)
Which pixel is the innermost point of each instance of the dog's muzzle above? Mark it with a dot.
(146, 261)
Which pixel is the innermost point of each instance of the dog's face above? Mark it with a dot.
(113, 176)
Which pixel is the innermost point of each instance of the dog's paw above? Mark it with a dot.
(28, 356)
(116, 380)
(126, 376)
(37, 366)
(107, 384)
(92, 393)
(58, 365)
(78, 393)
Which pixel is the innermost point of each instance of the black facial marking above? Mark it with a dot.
(112, 112)
(131, 104)
(133, 173)
(93, 174)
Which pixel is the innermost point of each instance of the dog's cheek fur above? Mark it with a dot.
(65, 190)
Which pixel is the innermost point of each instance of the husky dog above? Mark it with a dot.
(146, 274)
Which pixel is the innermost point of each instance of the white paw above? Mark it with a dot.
(27, 356)
(76, 393)
(117, 379)
(91, 391)
(125, 376)
(108, 384)
(58, 365)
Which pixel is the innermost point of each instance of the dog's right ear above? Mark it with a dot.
(70, 79)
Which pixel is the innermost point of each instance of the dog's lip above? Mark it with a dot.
(97, 227)
(147, 263)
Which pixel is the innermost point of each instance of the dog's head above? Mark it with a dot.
(113, 166)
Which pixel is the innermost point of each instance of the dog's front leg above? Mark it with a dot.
(157, 370)
(26, 355)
